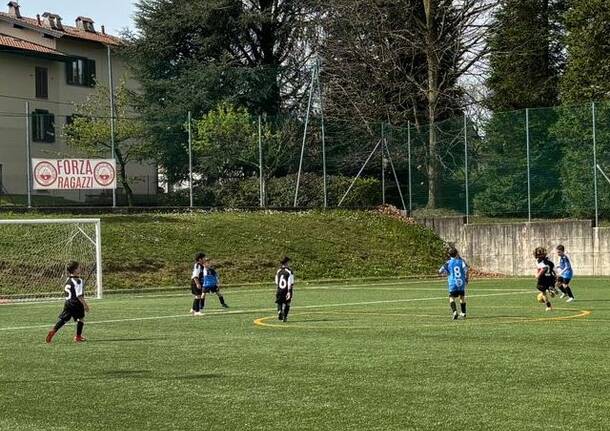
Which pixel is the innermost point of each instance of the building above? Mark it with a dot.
(52, 66)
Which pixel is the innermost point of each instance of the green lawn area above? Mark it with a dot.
(376, 356)
(157, 250)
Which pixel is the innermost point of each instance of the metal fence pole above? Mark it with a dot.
(323, 131)
(409, 156)
(527, 142)
(28, 152)
(296, 192)
(260, 164)
(466, 166)
(383, 144)
(190, 132)
(593, 114)
(112, 115)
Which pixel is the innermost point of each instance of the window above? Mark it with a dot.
(42, 83)
(81, 71)
(43, 126)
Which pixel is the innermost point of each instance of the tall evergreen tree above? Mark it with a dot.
(526, 59)
(586, 80)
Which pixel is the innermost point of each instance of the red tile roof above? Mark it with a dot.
(13, 42)
(69, 31)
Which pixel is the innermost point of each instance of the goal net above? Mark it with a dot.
(34, 254)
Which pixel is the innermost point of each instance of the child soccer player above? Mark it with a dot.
(75, 305)
(196, 287)
(565, 274)
(211, 284)
(457, 278)
(545, 275)
(284, 280)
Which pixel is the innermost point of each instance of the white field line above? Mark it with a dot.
(262, 310)
(231, 291)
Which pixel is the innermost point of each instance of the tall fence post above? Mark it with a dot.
(409, 157)
(261, 184)
(323, 131)
(383, 145)
(28, 152)
(593, 114)
(527, 143)
(466, 166)
(112, 115)
(190, 132)
(296, 191)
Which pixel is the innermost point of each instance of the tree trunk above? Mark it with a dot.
(123, 177)
(433, 65)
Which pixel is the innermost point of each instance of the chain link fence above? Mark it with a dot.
(527, 164)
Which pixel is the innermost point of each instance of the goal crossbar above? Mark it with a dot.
(96, 241)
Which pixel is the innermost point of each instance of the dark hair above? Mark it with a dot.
(453, 252)
(285, 260)
(540, 252)
(199, 256)
(561, 248)
(71, 266)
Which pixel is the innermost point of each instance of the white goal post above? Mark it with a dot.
(34, 254)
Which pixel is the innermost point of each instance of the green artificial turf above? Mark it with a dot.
(378, 356)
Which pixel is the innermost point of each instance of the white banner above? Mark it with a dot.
(73, 174)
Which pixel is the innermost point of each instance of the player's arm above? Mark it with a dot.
(195, 277)
(443, 270)
(290, 286)
(466, 271)
(80, 294)
(82, 300)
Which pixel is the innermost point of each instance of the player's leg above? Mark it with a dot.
(463, 305)
(454, 313)
(568, 290)
(286, 309)
(78, 314)
(221, 298)
(63, 318)
(561, 286)
(279, 300)
(202, 301)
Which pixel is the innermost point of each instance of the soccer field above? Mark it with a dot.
(378, 356)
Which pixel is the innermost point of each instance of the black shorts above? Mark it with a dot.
(72, 310)
(543, 287)
(210, 289)
(195, 290)
(562, 280)
(457, 293)
(280, 296)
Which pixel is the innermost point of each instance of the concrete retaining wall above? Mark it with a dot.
(507, 248)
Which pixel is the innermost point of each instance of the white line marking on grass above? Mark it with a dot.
(259, 310)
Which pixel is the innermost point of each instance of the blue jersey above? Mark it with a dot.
(565, 267)
(457, 274)
(209, 278)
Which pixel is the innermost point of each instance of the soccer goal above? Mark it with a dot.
(34, 254)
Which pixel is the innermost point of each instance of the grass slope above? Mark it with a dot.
(152, 250)
(364, 357)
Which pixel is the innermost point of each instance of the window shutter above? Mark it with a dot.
(69, 73)
(35, 128)
(49, 128)
(90, 73)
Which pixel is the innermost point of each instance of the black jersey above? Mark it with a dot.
(284, 278)
(74, 288)
(547, 276)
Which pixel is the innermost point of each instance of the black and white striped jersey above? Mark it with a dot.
(197, 271)
(74, 288)
(284, 278)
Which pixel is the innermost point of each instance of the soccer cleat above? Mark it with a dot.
(197, 313)
(79, 339)
(225, 306)
(454, 315)
(285, 319)
(280, 315)
(463, 316)
(549, 309)
(50, 335)
(570, 300)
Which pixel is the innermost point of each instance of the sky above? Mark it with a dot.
(115, 15)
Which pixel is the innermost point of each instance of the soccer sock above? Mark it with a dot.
(562, 288)
(463, 307)
(548, 304)
(79, 328)
(222, 300)
(201, 303)
(453, 307)
(58, 325)
(286, 310)
(196, 304)
(569, 292)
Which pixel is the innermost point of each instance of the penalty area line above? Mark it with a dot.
(259, 310)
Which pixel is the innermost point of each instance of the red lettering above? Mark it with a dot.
(74, 167)
(88, 168)
(58, 166)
